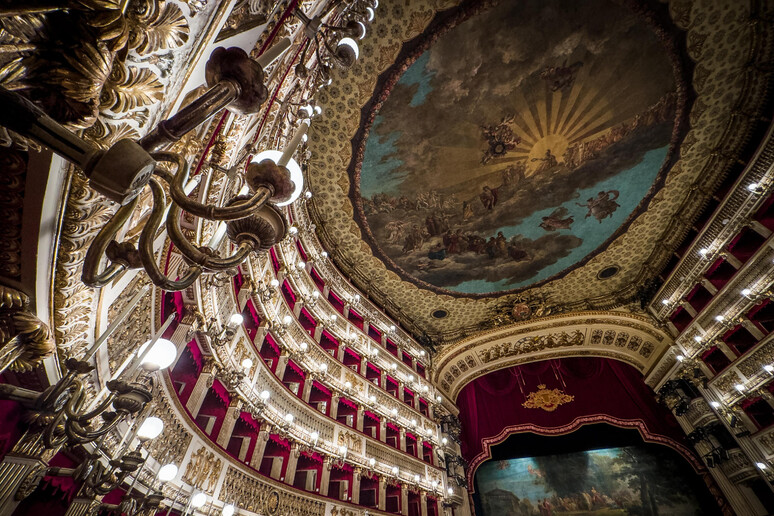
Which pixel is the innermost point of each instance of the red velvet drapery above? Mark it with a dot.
(491, 407)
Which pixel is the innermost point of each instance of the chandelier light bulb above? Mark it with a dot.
(394, 412)
(715, 404)
(704, 251)
(274, 283)
(304, 346)
(697, 338)
(665, 301)
(348, 385)
(372, 398)
(324, 254)
(307, 195)
(236, 319)
(416, 478)
(739, 387)
(314, 436)
(289, 417)
(323, 367)
(411, 377)
(392, 327)
(356, 298)
(167, 472)
(160, 356)
(450, 491)
(394, 366)
(301, 266)
(444, 441)
(680, 358)
(752, 187)
(768, 368)
(372, 462)
(395, 470)
(247, 363)
(352, 44)
(293, 230)
(198, 500)
(746, 292)
(228, 510)
(438, 398)
(342, 450)
(315, 294)
(719, 318)
(760, 465)
(287, 320)
(264, 395)
(150, 429)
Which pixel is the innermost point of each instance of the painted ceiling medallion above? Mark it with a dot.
(515, 161)
(547, 399)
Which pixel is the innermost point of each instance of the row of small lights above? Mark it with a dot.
(350, 339)
(314, 437)
(301, 265)
(705, 252)
(351, 335)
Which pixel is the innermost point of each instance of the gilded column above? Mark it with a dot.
(229, 421)
(290, 471)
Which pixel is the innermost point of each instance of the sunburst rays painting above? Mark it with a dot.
(513, 145)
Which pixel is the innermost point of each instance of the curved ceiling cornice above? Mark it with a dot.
(629, 338)
(723, 46)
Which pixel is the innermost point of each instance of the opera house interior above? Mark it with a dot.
(256, 257)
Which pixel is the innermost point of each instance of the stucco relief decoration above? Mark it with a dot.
(532, 344)
(203, 470)
(547, 399)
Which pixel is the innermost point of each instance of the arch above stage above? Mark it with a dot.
(629, 338)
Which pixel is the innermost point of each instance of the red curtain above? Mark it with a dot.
(600, 387)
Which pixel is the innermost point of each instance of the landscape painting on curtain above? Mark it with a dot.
(614, 481)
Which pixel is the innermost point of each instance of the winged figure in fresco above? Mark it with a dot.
(561, 77)
(560, 218)
(500, 138)
(602, 206)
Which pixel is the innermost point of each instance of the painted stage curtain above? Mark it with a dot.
(600, 387)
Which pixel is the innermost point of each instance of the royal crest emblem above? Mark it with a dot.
(547, 399)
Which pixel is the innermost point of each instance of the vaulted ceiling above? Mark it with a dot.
(494, 162)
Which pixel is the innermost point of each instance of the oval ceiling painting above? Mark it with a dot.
(509, 148)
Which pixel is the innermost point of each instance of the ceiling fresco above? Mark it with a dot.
(641, 193)
(503, 165)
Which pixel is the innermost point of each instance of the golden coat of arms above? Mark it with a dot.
(547, 399)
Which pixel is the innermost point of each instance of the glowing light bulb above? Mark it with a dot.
(264, 395)
(236, 319)
(198, 500)
(167, 472)
(150, 429)
(247, 363)
(274, 283)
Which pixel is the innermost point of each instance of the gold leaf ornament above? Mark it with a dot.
(547, 399)
(167, 29)
(130, 88)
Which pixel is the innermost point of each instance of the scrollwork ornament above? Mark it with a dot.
(30, 482)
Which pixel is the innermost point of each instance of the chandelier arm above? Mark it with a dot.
(99, 409)
(49, 440)
(90, 276)
(145, 245)
(197, 256)
(238, 210)
(79, 435)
